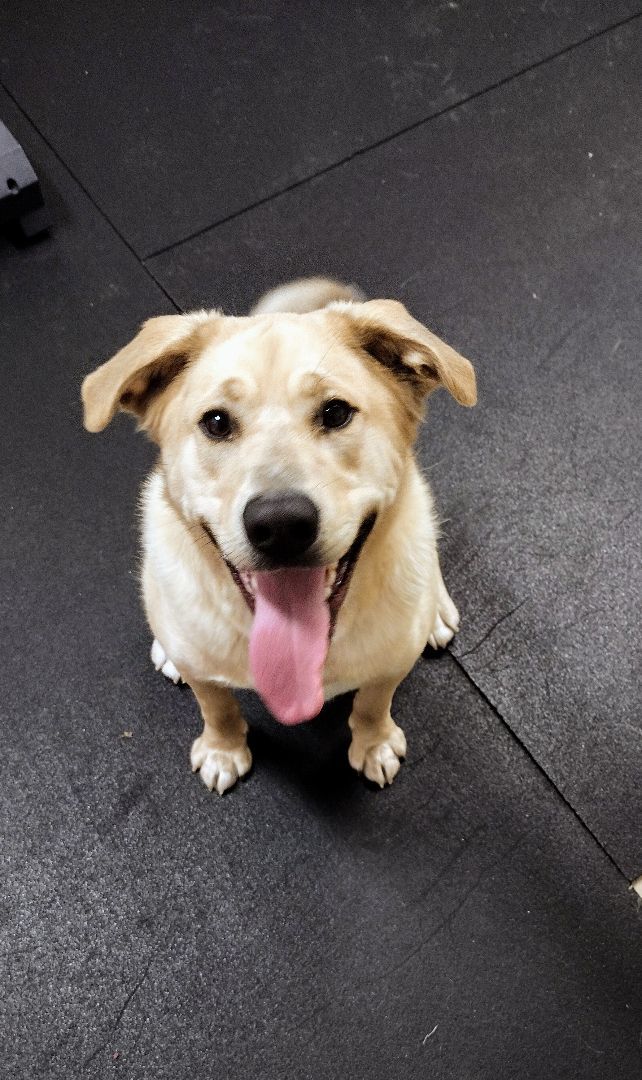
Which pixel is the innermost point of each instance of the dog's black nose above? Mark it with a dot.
(281, 525)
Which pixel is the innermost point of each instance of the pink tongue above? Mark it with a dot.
(289, 642)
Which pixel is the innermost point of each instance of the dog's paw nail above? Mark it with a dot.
(225, 781)
(219, 769)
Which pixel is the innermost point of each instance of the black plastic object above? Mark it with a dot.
(21, 200)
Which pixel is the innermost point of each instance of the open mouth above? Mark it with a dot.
(337, 576)
(294, 611)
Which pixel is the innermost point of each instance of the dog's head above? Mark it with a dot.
(285, 436)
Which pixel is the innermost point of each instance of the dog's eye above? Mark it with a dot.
(217, 424)
(336, 413)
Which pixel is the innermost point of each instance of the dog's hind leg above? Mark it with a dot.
(446, 622)
(162, 662)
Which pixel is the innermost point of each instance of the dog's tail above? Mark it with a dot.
(306, 294)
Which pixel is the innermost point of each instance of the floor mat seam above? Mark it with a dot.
(540, 768)
(61, 161)
(361, 151)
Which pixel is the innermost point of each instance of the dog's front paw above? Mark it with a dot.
(220, 768)
(378, 759)
(446, 622)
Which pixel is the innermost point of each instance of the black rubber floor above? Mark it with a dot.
(475, 920)
(175, 115)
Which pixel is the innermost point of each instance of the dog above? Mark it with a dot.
(289, 540)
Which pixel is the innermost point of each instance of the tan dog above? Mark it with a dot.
(289, 540)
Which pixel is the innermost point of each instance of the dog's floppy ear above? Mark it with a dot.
(388, 332)
(136, 375)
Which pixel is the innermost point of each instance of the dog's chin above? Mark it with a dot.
(337, 575)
